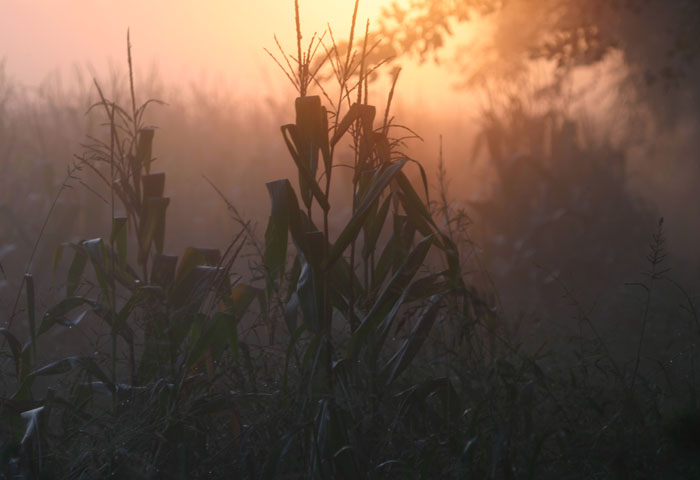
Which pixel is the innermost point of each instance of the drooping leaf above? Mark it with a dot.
(144, 149)
(312, 123)
(152, 225)
(306, 176)
(357, 111)
(285, 211)
(307, 139)
(190, 259)
(276, 234)
(153, 185)
(61, 313)
(163, 270)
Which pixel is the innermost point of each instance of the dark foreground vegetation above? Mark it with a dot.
(364, 344)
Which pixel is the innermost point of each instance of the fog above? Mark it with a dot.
(226, 99)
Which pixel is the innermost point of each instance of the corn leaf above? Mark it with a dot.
(357, 111)
(96, 253)
(221, 329)
(119, 240)
(380, 181)
(374, 229)
(60, 313)
(152, 225)
(15, 348)
(276, 234)
(144, 149)
(75, 271)
(309, 294)
(410, 347)
(153, 185)
(306, 176)
(190, 259)
(31, 310)
(387, 300)
(70, 363)
(191, 290)
(163, 270)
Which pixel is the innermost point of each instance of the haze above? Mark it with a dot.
(230, 123)
(186, 41)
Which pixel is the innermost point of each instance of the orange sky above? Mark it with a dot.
(221, 43)
(222, 39)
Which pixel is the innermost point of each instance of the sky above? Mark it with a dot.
(221, 42)
(224, 38)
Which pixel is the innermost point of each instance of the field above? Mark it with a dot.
(330, 285)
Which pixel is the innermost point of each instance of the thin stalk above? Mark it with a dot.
(352, 35)
(358, 151)
(302, 89)
(656, 256)
(112, 304)
(131, 84)
(70, 175)
(388, 103)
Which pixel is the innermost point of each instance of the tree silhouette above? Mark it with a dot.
(659, 39)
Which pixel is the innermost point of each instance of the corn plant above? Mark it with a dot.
(357, 277)
(175, 318)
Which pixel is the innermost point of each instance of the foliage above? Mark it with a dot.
(553, 187)
(570, 33)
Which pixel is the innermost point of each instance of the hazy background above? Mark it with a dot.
(616, 139)
(185, 42)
